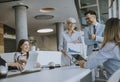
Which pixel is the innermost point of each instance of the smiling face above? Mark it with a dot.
(71, 25)
(25, 47)
(91, 19)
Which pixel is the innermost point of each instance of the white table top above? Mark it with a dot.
(63, 74)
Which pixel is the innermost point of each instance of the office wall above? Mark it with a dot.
(9, 39)
(1, 38)
(47, 42)
(10, 45)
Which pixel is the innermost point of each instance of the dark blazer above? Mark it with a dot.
(2, 61)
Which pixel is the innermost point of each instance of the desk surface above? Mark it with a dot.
(63, 74)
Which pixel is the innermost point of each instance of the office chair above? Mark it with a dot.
(114, 78)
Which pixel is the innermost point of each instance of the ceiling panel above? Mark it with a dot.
(4, 1)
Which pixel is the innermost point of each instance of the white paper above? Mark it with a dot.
(73, 48)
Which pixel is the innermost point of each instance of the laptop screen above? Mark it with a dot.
(31, 62)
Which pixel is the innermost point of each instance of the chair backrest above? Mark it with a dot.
(115, 77)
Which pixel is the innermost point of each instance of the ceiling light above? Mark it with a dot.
(43, 17)
(46, 30)
(47, 9)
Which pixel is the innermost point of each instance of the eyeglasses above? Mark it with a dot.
(89, 17)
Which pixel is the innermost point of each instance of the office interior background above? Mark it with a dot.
(44, 14)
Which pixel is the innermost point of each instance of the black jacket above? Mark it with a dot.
(2, 61)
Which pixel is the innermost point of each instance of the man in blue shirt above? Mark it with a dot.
(93, 33)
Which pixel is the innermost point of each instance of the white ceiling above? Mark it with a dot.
(63, 10)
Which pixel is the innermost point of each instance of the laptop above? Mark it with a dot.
(30, 64)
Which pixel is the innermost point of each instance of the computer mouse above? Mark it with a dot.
(51, 65)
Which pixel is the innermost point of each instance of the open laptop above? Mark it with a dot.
(30, 64)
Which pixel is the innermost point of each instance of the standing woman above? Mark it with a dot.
(109, 54)
(69, 36)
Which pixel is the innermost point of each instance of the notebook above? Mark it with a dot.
(30, 64)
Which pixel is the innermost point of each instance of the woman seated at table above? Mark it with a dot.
(109, 54)
(22, 52)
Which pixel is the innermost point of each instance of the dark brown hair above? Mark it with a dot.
(90, 12)
(21, 42)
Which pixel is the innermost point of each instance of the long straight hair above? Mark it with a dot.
(112, 31)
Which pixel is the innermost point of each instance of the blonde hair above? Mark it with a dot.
(112, 31)
(71, 19)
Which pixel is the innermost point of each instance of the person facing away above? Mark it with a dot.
(109, 54)
(93, 33)
(22, 52)
(69, 36)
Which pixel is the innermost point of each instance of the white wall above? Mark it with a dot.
(47, 42)
(45, 57)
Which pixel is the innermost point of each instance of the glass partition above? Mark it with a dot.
(99, 6)
(84, 3)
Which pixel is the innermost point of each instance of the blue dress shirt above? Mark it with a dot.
(109, 56)
(99, 37)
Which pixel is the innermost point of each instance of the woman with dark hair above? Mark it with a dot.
(109, 54)
(21, 56)
(22, 52)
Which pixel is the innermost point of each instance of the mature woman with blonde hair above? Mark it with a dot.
(69, 36)
(109, 54)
